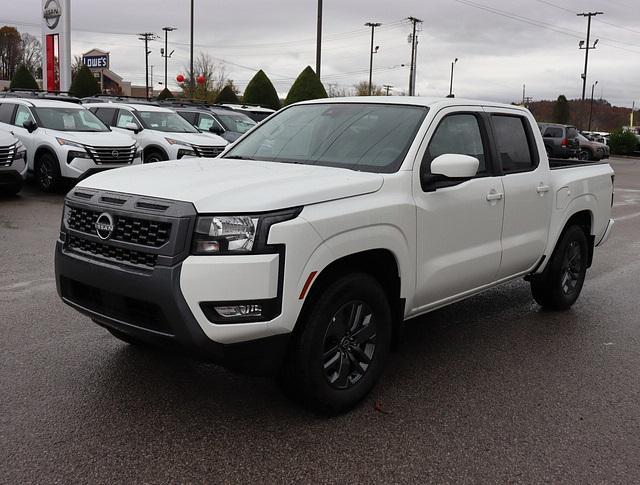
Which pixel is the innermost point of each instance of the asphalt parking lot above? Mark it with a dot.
(490, 390)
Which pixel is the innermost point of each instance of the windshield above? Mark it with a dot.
(368, 137)
(581, 137)
(236, 122)
(163, 121)
(68, 119)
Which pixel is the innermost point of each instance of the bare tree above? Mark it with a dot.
(215, 78)
(76, 65)
(10, 51)
(337, 91)
(362, 89)
(31, 53)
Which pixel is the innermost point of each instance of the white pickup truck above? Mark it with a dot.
(304, 246)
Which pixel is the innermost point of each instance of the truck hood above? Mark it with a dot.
(222, 185)
(97, 139)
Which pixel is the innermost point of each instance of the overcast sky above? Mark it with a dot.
(532, 42)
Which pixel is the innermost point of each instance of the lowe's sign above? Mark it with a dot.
(96, 62)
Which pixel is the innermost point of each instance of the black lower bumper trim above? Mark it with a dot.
(10, 177)
(150, 307)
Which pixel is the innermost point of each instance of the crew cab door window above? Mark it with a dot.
(124, 118)
(459, 134)
(22, 116)
(513, 144)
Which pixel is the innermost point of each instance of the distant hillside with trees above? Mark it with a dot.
(605, 117)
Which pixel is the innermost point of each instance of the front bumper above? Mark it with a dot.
(151, 307)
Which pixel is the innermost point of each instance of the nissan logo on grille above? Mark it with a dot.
(104, 226)
(115, 154)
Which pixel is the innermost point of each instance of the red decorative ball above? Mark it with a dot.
(201, 79)
(180, 78)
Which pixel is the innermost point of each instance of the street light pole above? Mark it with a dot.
(587, 48)
(319, 39)
(451, 79)
(166, 54)
(191, 78)
(593, 86)
(373, 25)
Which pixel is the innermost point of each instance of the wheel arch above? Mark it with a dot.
(158, 148)
(583, 217)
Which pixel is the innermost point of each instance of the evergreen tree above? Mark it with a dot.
(306, 86)
(23, 79)
(165, 94)
(561, 110)
(84, 84)
(260, 91)
(227, 96)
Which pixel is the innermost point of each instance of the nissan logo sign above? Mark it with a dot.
(104, 226)
(52, 13)
(115, 153)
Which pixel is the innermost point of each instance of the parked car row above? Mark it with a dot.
(55, 137)
(565, 141)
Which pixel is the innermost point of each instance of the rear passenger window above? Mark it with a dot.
(553, 132)
(513, 144)
(459, 134)
(189, 116)
(105, 115)
(6, 112)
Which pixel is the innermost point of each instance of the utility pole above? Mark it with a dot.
(633, 107)
(387, 87)
(524, 91)
(593, 86)
(414, 44)
(319, 38)
(146, 36)
(191, 78)
(373, 25)
(587, 47)
(151, 82)
(166, 53)
(451, 79)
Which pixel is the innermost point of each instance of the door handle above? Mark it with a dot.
(493, 195)
(542, 188)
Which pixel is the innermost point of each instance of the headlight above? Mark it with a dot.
(70, 143)
(21, 152)
(172, 141)
(186, 152)
(222, 234)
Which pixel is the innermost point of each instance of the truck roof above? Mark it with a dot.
(430, 102)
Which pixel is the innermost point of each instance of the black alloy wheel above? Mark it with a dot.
(349, 344)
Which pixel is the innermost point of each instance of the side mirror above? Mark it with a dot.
(30, 126)
(133, 127)
(447, 170)
(452, 165)
(216, 130)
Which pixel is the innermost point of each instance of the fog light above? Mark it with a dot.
(206, 247)
(239, 311)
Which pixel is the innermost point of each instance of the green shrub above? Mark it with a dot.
(260, 91)
(23, 79)
(306, 86)
(623, 142)
(227, 96)
(165, 94)
(84, 83)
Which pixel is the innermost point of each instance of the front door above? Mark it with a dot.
(459, 226)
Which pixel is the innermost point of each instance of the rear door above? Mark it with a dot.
(21, 115)
(527, 190)
(458, 226)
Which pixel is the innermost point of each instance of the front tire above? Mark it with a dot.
(559, 286)
(154, 156)
(585, 155)
(47, 173)
(340, 352)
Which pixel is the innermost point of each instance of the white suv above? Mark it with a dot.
(64, 140)
(162, 133)
(13, 164)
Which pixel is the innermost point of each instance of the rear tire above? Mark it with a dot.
(339, 353)
(47, 173)
(559, 286)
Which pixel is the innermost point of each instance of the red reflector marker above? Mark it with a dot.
(307, 284)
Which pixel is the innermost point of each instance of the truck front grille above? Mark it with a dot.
(114, 253)
(208, 151)
(127, 229)
(112, 155)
